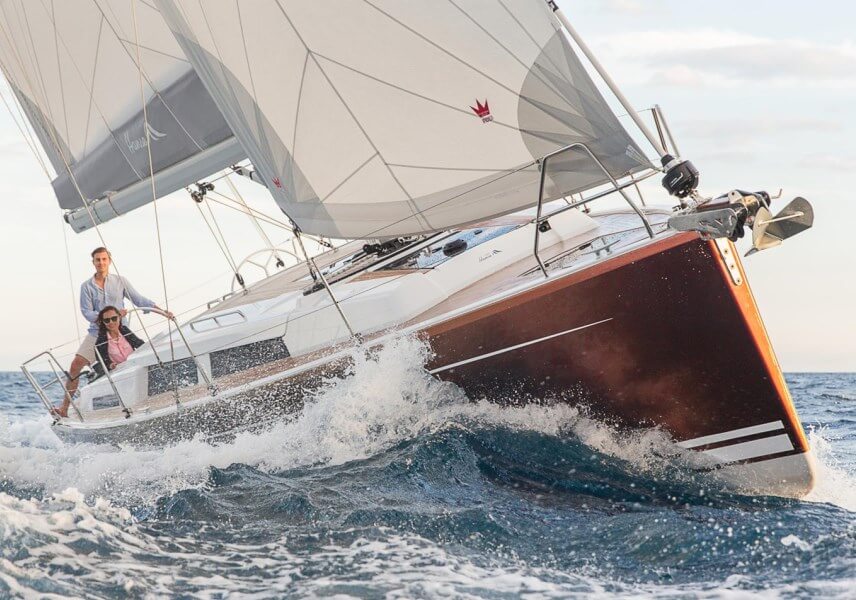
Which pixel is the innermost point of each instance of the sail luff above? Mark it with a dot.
(25, 128)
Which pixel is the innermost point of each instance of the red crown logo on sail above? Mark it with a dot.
(483, 111)
(277, 182)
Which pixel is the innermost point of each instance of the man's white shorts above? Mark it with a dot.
(87, 349)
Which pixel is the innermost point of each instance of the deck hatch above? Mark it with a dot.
(161, 378)
(240, 358)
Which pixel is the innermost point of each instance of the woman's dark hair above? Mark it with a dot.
(101, 327)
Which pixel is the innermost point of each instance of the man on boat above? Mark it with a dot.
(102, 289)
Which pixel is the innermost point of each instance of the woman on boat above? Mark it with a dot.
(115, 341)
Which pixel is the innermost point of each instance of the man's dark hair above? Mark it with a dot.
(99, 250)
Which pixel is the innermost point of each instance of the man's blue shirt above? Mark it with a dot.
(116, 289)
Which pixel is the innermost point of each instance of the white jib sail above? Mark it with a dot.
(73, 67)
(378, 118)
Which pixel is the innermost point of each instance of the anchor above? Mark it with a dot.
(728, 215)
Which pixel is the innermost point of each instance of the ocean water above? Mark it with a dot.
(394, 485)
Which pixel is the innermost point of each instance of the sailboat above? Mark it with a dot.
(465, 154)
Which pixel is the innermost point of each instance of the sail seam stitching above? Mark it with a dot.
(349, 177)
(456, 58)
(410, 92)
(258, 111)
(92, 85)
(44, 92)
(547, 84)
(297, 109)
(413, 207)
(526, 31)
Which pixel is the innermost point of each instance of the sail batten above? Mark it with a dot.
(76, 73)
(378, 118)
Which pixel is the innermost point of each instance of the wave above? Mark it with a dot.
(391, 482)
(386, 399)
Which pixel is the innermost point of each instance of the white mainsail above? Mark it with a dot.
(379, 118)
(73, 68)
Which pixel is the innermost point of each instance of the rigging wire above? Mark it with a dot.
(70, 281)
(265, 218)
(224, 249)
(29, 139)
(154, 195)
(225, 244)
(52, 133)
(265, 238)
(28, 136)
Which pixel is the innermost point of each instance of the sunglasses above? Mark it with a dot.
(112, 319)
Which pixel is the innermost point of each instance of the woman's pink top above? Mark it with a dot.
(119, 349)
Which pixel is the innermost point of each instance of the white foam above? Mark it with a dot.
(833, 484)
(795, 541)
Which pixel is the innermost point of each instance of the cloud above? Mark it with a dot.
(734, 156)
(743, 130)
(711, 58)
(767, 60)
(681, 76)
(829, 162)
(632, 7)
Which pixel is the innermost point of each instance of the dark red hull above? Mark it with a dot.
(667, 338)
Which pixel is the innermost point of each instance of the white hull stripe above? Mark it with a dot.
(753, 449)
(733, 434)
(516, 347)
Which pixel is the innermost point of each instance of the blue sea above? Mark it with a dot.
(394, 485)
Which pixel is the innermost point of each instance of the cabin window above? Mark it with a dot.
(241, 358)
(178, 373)
(102, 402)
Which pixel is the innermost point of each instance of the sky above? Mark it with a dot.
(759, 95)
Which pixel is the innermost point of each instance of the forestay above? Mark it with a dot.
(73, 68)
(379, 118)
